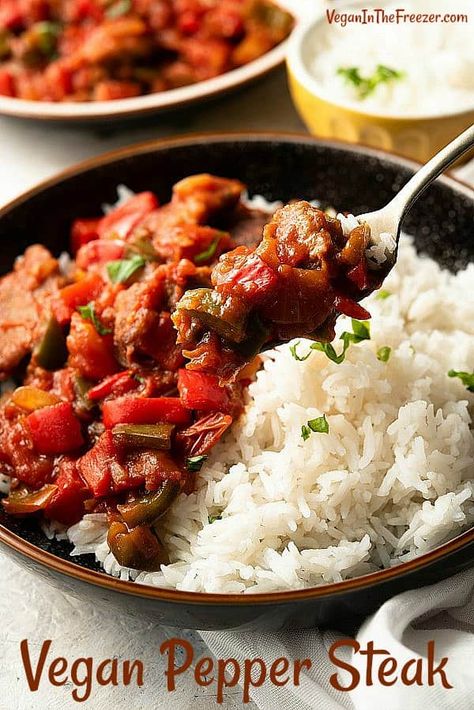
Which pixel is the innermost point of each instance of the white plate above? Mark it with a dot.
(153, 103)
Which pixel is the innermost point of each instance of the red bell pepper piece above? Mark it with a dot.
(55, 429)
(67, 504)
(350, 308)
(141, 410)
(202, 391)
(12, 14)
(83, 231)
(99, 251)
(254, 281)
(359, 276)
(122, 220)
(77, 294)
(121, 383)
(95, 466)
(7, 83)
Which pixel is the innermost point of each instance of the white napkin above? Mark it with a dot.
(443, 613)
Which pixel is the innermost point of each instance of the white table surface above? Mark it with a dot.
(30, 151)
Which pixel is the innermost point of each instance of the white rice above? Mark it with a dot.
(392, 479)
(436, 58)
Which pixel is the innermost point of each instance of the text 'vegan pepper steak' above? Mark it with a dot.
(114, 409)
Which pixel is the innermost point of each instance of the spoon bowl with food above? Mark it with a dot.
(308, 269)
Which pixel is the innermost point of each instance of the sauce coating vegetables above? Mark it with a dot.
(301, 276)
(115, 410)
(102, 50)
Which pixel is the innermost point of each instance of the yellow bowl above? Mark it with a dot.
(416, 137)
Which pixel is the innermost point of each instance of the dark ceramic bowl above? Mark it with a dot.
(278, 167)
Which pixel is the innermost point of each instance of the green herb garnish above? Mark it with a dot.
(295, 354)
(119, 8)
(361, 331)
(207, 253)
(467, 378)
(122, 270)
(195, 463)
(383, 353)
(213, 518)
(382, 294)
(320, 425)
(88, 313)
(367, 85)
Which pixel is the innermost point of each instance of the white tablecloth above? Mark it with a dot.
(32, 610)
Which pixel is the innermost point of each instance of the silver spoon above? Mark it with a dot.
(389, 218)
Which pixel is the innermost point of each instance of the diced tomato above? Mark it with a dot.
(151, 468)
(201, 436)
(86, 10)
(141, 410)
(189, 22)
(106, 472)
(82, 232)
(99, 251)
(89, 352)
(202, 391)
(359, 276)
(67, 504)
(122, 220)
(7, 83)
(77, 294)
(254, 281)
(121, 383)
(95, 466)
(58, 76)
(350, 308)
(12, 14)
(55, 429)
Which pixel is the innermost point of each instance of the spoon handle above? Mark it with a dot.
(434, 167)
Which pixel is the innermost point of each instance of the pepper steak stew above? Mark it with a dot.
(107, 407)
(99, 50)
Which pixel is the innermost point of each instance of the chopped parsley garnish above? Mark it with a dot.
(366, 85)
(122, 270)
(384, 353)
(320, 425)
(213, 518)
(208, 253)
(467, 378)
(195, 463)
(88, 313)
(295, 354)
(119, 8)
(361, 331)
(382, 294)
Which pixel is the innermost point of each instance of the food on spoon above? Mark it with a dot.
(303, 274)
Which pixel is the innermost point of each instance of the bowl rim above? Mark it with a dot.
(70, 111)
(297, 67)
(101, 579)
